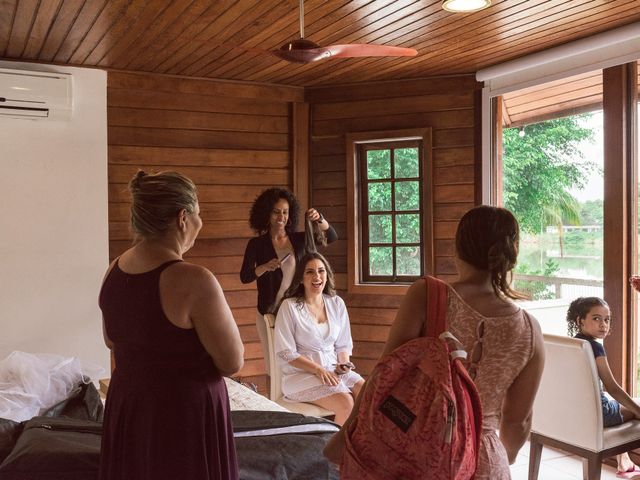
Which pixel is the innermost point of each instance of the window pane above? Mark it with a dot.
(380, 261)
(380, 196)
(407, 195)
(406, 163)
(553, 183)
(408, 228)
(378, 164)
(408, 259)
(380, 229)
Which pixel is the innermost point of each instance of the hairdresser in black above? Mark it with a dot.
(271, 257)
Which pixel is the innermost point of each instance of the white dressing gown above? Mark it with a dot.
(297, 333)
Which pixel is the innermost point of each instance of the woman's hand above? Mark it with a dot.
(343, 368)
(315, 216)
(327, 377)
(270, 266)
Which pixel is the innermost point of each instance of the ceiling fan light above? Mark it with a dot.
(465, 5)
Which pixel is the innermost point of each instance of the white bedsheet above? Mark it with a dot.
(243, 398)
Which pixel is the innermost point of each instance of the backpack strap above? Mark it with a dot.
(436, 317)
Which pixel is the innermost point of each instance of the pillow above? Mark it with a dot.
(9, 433)
(55, 448)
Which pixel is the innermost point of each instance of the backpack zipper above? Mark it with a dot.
(69, 428)
(451, 413)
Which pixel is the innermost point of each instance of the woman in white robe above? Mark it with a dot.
(313, 341)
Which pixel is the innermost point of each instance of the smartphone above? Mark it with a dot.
(347, 365)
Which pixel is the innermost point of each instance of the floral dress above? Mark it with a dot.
(507, 346)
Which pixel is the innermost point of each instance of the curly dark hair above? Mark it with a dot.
(296, 290)
(263, 205)
(579, 309)
(488, 238)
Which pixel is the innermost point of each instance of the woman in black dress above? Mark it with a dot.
(173, 337)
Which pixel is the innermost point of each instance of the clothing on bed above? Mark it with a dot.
(297, 333)
(271, 446)
(266, 452)
(167, 412)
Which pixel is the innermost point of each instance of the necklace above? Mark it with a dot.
(317, 312)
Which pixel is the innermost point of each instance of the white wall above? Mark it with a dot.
(54, 225)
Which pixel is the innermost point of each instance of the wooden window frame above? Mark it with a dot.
(620, 97)
(354, 217)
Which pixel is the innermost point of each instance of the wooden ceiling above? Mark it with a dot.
(231, 39)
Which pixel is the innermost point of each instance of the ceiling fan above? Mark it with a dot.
(302, 50)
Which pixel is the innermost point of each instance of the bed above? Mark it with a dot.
(271, 442)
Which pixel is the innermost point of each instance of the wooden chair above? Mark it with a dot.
(275, 393)
(567, 412)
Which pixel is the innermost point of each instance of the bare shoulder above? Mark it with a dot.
(417, 292)
(194, 277)
(412, 309)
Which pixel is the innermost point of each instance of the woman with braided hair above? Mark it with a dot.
(504, 344)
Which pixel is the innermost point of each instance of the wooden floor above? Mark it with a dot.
(555, 465)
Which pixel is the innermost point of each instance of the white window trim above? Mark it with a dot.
(604, 50)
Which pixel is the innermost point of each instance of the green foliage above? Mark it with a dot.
(581, 239)
(407, 195)
(408, 260)
(380, 197)
(380, 229)
(406, 192)
(381, 260)
(539, 170)
(592, 212)
(406, 163)
(535, 289)
(378, 164)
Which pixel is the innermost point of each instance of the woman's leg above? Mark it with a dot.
(339, 403)
(357, 388)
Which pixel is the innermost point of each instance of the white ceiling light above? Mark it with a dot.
(465, 5)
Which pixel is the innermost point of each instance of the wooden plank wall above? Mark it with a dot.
(448, 106)
(232, 139)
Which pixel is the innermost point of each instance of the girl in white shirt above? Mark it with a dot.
(313, 341)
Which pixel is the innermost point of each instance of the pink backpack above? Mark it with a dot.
(420, 415)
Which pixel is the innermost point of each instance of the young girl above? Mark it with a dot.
(589, 318)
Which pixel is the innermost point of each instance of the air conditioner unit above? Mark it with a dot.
(35, 95)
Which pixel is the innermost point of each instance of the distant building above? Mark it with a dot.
(575, 228)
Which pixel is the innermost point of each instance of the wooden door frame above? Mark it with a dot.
(620, 196)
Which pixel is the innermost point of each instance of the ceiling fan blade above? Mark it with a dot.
(368, 50)
(306, 55)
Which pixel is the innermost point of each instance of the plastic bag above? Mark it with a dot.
(31, 383)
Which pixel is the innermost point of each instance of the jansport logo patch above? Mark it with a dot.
(397, 412)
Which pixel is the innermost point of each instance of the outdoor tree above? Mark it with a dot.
(540, 169)
(592, 212)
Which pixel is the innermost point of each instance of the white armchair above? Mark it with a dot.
(275, 373)
(567, 412)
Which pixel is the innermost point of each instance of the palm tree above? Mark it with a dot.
(559, 208)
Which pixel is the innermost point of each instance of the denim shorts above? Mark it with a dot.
(611, 415)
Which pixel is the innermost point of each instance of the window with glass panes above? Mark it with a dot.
(391, 197)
